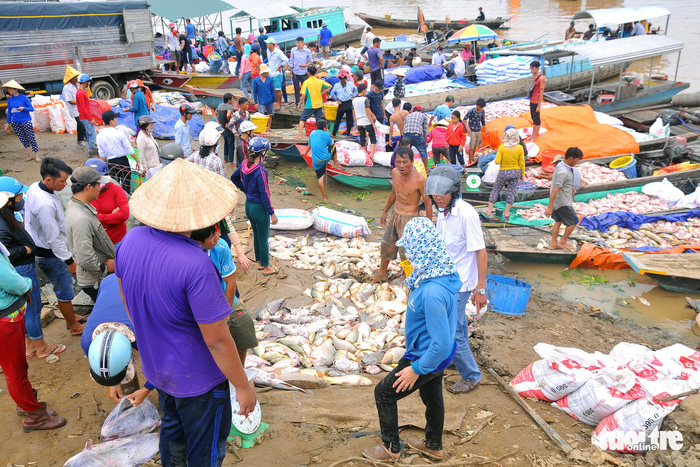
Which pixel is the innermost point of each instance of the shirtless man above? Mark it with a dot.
(408, 189)
(397, 118)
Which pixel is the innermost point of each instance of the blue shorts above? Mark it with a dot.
(267, 109)
(316, 113)
(62, 280)
(320, 172)
(277, 81)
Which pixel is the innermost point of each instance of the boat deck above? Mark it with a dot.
(674, 272)
(520, 244)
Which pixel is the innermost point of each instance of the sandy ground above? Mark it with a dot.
(337, 423)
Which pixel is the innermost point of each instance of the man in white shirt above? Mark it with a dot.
(460, 228)
(349, 57)
(70, 89)
(438, 57)
(114, 147)
(638, 29)
(182, 129)
(455, 67)
(278, 62)
(45, 222)
(172, 41)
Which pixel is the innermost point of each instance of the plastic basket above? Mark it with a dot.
(330, 111)
(507, 295)
(548, 156)
(309, 126)
(625, 164)
(260, 123)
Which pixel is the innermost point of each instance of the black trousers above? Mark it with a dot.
(345, 108)
(91, 292)
(297, 80)
(430, 389)
(377, 74)
(456, 154)
(81, 130)
(120, 170)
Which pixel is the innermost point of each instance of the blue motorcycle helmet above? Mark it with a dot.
(109, 356)
(259, 146)
(97, 164)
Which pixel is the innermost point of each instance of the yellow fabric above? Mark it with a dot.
(312, 88)
(511, 158)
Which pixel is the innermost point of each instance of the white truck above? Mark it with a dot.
(112, 41)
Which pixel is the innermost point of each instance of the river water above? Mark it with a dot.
(547, 19)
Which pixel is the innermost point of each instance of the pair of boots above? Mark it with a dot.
(42, 418)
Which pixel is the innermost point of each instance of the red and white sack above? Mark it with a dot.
(56, 121)
(69, 120)
(682, 362)
(346, 146)
(603, 394)
(354, 158)
(627, 429)
(41, 120)
(561, 371)
(641, 360)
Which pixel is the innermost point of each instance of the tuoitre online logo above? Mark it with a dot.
(641, 441)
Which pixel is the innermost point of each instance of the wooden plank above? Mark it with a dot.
(685, 265)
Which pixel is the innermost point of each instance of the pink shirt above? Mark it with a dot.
(438, 136)
(467, 55)
(245, 64)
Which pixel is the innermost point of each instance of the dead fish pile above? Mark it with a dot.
(591, 174)
(638, 203)
(662, 234)
(352, 327)
(332, 256)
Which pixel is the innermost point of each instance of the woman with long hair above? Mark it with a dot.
(251, 178)
(22, 249)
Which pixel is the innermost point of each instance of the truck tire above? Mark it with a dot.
(102, 90)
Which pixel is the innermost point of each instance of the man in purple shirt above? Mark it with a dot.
(172, 292)
(374, 57)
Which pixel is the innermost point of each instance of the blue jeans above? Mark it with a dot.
(195, 429)
(239, 55)
(90, 133)
(418, 141)
(267, 109)
(464, 359)
(57, 272)
(229, 146)
(246, 82)
(32, 317)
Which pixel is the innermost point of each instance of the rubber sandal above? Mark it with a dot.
(30, 355)
(57, 349)
(272, 273)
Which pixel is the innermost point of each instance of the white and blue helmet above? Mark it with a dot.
(110, 357)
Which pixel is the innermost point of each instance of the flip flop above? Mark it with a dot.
(272, 273)
(30, 355)
(57, 349)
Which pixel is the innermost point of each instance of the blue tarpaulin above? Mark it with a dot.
(414, 75)
(29, 16)
(603, 222)
(165, 118)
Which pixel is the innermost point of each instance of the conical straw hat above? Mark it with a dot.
(70, 74)
(183, 197)
(12, 84)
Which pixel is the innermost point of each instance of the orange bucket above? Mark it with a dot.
(548, 156)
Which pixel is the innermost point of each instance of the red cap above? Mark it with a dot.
(418, 108)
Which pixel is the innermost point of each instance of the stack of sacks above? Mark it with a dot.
(502, 69)
(621, 394)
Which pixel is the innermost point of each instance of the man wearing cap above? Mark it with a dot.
(277, 63)
(299, 59)
(172, 292)
(114, 147)
(111, 204)
(84, 112)
(139, 106)
(374, 57)
(415, 126)
(312, 92)
(443, 111)
(325, 40)
(182, 128)
(571, 32)
(376, 99)
(88, 241)
(45, 222)
(264, 93)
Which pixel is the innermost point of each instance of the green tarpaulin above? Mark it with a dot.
(176, 9)
(582, 198)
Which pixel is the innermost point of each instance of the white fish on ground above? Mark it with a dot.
(264, 378)
(349, 380)
(393, 355)
(345, 365)
(322, 355)
(373, 369)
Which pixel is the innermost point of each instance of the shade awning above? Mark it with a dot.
(615, 16)
(176, 9)
(269, 11)
(628, 49)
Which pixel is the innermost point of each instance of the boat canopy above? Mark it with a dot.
(397, 45)
(628, 49)
(615, 16)
(269, 11)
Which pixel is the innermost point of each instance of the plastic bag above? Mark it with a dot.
(339, 223)
(689, 201)
(664, 190)
(659, 130)
(491, 173)
(640, 360)
(293, 219)
(126, 420)
(627, 429)
(602, 395)
(683, 362)
(383, 158)
(133, 450)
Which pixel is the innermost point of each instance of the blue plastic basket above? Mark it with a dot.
(507, 295)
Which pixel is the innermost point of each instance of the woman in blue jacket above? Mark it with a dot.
(139, 106)
(18, 108)
(251, 178)
(431, 321)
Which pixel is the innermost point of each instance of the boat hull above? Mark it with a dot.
(286, 151)
(353, 180)
(178, 82)
(682, 285)
(377, 21)
(651, 99)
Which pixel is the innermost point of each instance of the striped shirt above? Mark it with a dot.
(416, 122)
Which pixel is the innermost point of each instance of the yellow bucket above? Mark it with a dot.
(621, 162)
(260, 123)
(331, 111)
(387, 15)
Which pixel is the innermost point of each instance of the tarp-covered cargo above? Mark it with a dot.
(28, 16)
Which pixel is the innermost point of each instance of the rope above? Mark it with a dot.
(688, 126)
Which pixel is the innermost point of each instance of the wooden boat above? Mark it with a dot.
(520, 243)
(179, 81)
(674, 272)
(380, 21)
(363, 178)
(684, 179)
(285, 143)
(350, 35)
